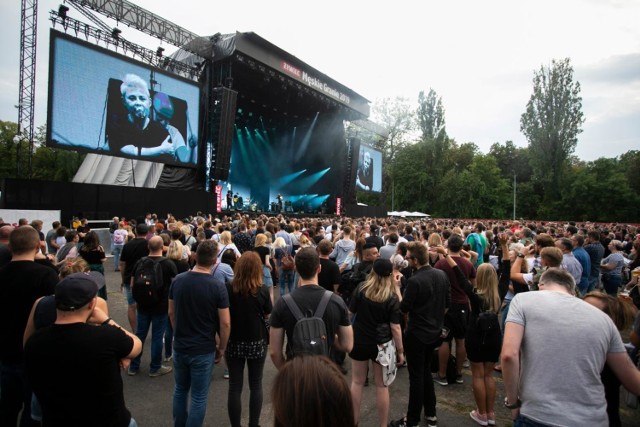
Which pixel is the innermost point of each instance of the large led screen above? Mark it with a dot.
(369, 174)
(105, 103)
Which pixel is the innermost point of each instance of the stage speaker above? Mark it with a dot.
(223, 116)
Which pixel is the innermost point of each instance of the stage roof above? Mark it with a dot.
(257, 65)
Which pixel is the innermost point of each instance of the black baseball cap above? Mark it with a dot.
(75, 291)
(383, 267)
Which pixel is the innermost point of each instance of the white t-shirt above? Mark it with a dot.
(563, 351)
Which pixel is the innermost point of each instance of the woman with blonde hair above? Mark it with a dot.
(285, 276)
(226, 242)
(260, 247)
(376, 308)
(249, 306)
(433, 241)
(483, 340)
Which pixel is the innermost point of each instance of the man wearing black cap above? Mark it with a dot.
(74, 366)
(131, 253)
(22, 282)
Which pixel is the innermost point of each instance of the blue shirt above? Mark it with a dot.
(585, 261)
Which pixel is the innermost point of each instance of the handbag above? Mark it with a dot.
(247, 349)
(287, 262)
(387, 359)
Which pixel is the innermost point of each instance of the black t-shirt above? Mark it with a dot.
(426, 298)
(263, 252)
(308, 298)
(75, 373)
(131, 253)
(247, 314)
(21, 284)
(122, 133)
(369, 315)
(169, 271)
(94, 256)
(329, 274)
(5, 255)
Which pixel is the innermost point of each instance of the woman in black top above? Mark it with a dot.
(376, 307)
(93, 253)
(250, 306)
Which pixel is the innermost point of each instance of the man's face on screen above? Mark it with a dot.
(367, 161)
(137, 103)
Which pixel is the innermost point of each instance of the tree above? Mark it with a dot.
(431, 115)
(551, 123)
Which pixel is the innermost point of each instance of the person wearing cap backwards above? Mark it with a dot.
(22, 282)
(74, 364)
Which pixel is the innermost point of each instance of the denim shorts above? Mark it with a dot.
(129, 295)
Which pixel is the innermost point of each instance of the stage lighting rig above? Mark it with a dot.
(115, 33)
(159, 52)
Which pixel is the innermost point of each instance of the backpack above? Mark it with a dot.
(309, 333)
(147, 281)
(452, 370)
(350, 280)
(487, 322)
(287, 262)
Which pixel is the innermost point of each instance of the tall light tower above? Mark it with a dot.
(26, 98)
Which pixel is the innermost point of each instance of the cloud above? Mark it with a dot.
(617, 69)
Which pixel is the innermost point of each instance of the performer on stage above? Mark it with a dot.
(364, 180)
(280, 202)
(229, 199)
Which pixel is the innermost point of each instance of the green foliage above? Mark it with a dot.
(551, 123)
(430, 116)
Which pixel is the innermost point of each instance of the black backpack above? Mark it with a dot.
(349, 280)
(309, 333)
(147, 281)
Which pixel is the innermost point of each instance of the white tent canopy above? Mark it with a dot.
(409, 214)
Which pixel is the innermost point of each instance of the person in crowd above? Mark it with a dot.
(242, 239)
(478, 243)
(226, 242)
(250, 306)
(154, 316)
(596, 252)
(434, 240)
(577, 241)
(550, 257)
(264, 253)
(22, 282)
(175, 254)
(285, 277)
(376, 308)
(457, 317)
(69, 250)
(569, 261)
(311, 391)
(622, 314)
(612, 268)
(355, 256)
(52, 245)
(390, 247)
(97, 353)
(198, 309)
(343, 246)
(483, 338)
(119, 238)
(554, 344)
(93, 252)
(308, 296)
(132, 251)
(426, 299)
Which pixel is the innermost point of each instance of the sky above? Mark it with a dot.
(478, 56)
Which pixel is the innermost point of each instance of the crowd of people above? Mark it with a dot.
(544, 303)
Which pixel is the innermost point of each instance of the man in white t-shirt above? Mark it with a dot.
(555, 346)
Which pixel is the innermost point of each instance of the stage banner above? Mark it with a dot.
(218, 198)
(338, 205)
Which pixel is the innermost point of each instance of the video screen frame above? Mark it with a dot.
(89, 81)
(371, 180)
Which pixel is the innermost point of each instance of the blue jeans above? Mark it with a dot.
(523, 421)
(157, 323)
(191, 373)
(116, 250)
(15, 396)
(286, 281)
(593, 283)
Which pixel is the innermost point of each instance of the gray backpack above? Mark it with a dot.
(309, 333)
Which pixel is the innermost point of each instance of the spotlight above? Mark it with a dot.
(159, 52)
(62, 11)
(115, 33)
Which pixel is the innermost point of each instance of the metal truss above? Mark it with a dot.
(115, 41)
(141, 19)
(26, 97)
